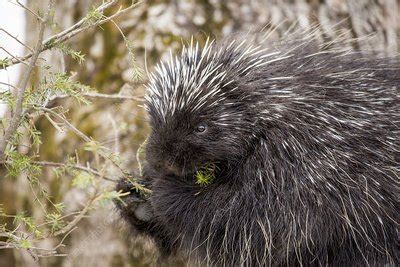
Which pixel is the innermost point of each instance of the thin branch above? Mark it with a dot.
(10, 85)
(112, 96)
(80, 23)
(118, 97)
(51, 42)
(16, 238)
(12, 56)
(71, 225)
(17, 116)
(77, 167)
(66, 122)
(33, 251)
(16, 39)
(29, 10)
(61, 218)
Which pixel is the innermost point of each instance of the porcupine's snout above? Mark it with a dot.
(169, 154)
(172, 169)
(167, 167)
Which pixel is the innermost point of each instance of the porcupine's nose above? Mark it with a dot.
(171, 169)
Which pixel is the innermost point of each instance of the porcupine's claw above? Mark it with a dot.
(134, 204)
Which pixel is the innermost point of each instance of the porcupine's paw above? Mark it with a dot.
(134, 207)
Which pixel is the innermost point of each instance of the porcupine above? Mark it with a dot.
(305, 139)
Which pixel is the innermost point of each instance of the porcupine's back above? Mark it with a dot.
(332, 123)
(316, 174)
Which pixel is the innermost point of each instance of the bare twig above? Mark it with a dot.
(17, 115)
(80, 23)
(117, 97)
(9, 85)
(29, 10)
(66, 122)
(12, 56)
(16, 39)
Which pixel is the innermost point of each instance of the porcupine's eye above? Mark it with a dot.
(201, 128)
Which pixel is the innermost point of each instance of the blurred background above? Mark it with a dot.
(152, 28)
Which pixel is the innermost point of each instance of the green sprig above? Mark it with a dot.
(55, 221)
(76, 55)
(206, 174)
(5, 62)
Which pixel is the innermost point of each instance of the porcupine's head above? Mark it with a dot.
(199, 107)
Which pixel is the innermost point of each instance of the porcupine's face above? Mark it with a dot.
(195, 112)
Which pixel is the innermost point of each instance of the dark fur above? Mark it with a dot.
(308, 167)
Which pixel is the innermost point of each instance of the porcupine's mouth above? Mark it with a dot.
(184, 172)
(174, 171)
(192, 173)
